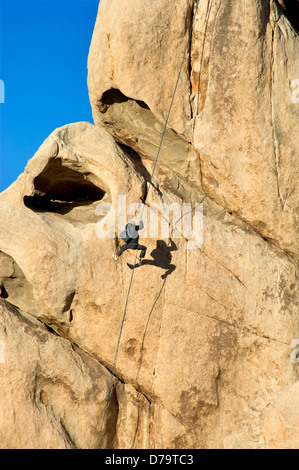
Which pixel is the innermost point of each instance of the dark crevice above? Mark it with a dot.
(107, 438)
(59, 189)
(71, 316)
(190, 58)
(112, 96)
(68, 302)
(50, 330)
(3, 293)
(67, 435)
(291, 11)
(139, 167)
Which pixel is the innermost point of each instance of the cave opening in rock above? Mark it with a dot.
(291, 11)
(60, 188)
(113, 96)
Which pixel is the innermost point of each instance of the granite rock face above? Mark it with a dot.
(246, 130)
(204, 359)
(280, 427)
(235, 112)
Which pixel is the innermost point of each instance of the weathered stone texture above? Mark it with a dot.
(204, 359)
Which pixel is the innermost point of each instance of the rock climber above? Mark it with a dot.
(131, 237)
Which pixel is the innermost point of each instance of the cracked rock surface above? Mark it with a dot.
(204, 359)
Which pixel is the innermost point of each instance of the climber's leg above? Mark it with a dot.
(131, 246)
(122, 249)
(143, 251)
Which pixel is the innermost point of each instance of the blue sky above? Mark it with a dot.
(43, 62)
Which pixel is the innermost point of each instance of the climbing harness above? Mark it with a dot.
(148, 189)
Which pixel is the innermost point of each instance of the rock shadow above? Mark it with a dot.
(162, 258)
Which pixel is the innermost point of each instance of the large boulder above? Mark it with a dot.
(197, 337)
(235, 113)
(213, 318)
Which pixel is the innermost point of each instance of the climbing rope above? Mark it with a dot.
(146, 196)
